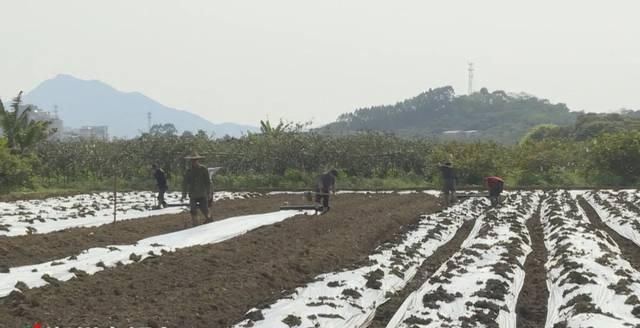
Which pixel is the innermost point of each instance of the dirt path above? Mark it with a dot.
(386, 311)
(532, 302)
(38, 248)
(214, 285)
(630, 251)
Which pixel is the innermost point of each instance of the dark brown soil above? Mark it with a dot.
(628, 248)
(531, 308)
(215, 285)
(38, 248)
(385, 312)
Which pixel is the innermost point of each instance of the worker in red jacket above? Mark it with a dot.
(495, 185)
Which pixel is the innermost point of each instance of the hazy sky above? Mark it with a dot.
(244, 61)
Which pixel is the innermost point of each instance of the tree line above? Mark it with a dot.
(286, 155)
(293, 159)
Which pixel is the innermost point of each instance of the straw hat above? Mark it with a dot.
(195, 155)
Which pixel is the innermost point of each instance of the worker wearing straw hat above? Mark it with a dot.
(197, 184)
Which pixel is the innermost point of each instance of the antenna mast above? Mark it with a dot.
(149, 122)
(470, 78)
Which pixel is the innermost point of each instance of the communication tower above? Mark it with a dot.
(149, 121)
(470, 69)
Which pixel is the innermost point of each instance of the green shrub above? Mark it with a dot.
(15, 171)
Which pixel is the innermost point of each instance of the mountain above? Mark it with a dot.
(440, 114)
(83, 102)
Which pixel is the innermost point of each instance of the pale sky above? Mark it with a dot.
(243, 61)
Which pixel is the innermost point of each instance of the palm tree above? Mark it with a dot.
(21, 132)
(269, 130)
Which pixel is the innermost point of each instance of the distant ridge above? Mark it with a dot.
(440, 114)
(92, 102)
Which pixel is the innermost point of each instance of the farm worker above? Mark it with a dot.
(449, 182)
(495, 185)
(325, 183)
(161, 183)
(197, 184)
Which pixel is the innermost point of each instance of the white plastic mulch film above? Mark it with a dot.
(87, 210)
(479, 285)
(349, 298)
(96, 259)
(620, 210)
(589, 283)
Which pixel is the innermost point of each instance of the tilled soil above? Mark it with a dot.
(627, 247)
(215, 285)
(531, 308)
(38, 248)
(385, 312)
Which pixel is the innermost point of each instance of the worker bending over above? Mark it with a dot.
(495, 185)
(325, 183)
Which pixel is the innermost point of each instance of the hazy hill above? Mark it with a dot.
(439, 113)
(588, 126)
(84, 102)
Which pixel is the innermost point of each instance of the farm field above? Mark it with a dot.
(59, 213)
(542, 259)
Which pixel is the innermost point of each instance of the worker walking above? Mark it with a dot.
(449, 179)
(197, 185)
(495, 185)
(161, 184)
(325, 183)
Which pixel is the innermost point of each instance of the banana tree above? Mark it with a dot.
(21, 132)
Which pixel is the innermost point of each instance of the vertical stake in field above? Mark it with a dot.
(212, 171)
(115, 196)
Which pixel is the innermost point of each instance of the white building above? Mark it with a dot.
(100, 132)
(56, 125)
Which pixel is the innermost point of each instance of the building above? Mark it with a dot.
(57, 129)
(464, 133)
(100, 132)
(56, 125)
